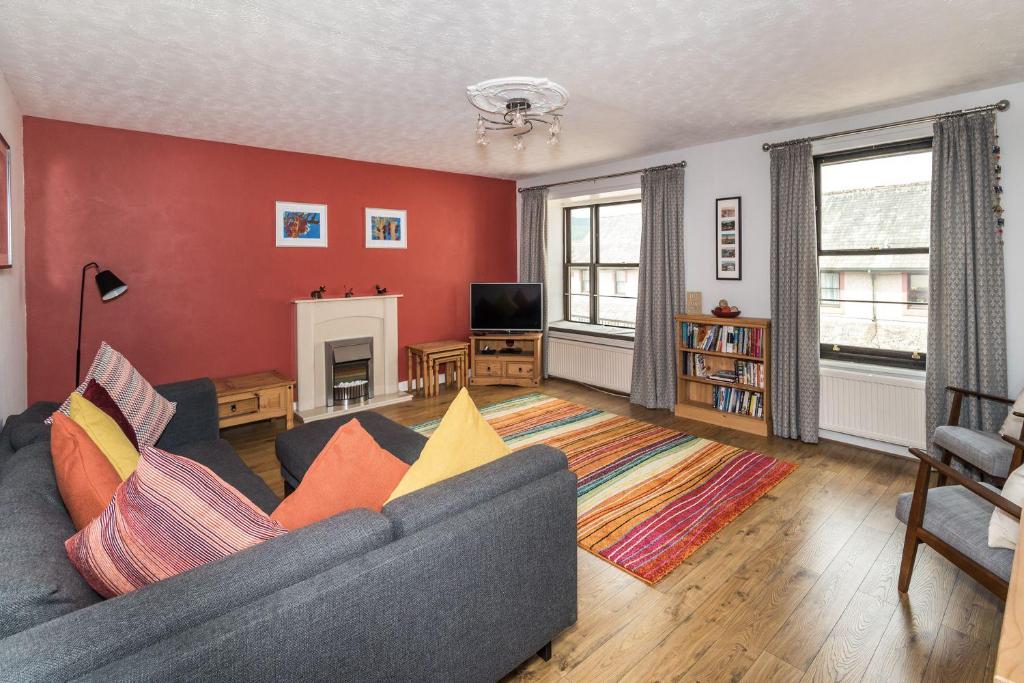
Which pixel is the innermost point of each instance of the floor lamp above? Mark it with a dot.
(110, 287)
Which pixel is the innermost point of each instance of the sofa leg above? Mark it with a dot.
(545, 652)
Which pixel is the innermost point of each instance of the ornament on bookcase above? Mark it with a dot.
(380, 290)
(694, 303)
(348, 291)
(318, 293)
(724, 310)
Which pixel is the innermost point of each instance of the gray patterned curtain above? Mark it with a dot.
(660, 288)
(966, 307)
(794, 292)
(533, 250)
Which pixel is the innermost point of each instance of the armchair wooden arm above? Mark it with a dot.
(978, 394)
(974, 487)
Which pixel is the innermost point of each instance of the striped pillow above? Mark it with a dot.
(171, 515)
(146, 410)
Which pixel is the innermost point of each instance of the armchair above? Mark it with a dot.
(984, 450)
(953, 520)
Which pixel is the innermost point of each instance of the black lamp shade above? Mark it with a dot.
(110, 285)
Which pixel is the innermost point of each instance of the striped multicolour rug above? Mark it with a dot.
(648, 496)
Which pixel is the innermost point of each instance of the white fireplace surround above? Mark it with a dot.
(321, 320)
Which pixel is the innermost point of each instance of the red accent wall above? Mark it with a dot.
(189, 226)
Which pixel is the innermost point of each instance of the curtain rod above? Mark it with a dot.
(1001, 105)
(680, 164)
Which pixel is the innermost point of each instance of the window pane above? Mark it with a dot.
(618, 281)
(579, 235)
(917, 288)
(880, 203)
(874, 312)
(619, 240)
(829, 285)
(616, 311)
(579, 308)
(579, 280)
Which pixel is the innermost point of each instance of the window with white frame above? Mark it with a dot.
(874, 217)
(602, 254)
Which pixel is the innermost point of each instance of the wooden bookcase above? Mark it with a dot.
(694, 394)
(506, 358)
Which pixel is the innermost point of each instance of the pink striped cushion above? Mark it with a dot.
(146, 410)
(171, 515)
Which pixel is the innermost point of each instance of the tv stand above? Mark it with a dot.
(509, 358)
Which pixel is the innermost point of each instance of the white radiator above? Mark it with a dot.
(883, 405)
(594, 363)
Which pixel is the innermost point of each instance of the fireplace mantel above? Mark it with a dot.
(328, 299)
(320, 320)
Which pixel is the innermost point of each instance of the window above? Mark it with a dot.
(874, 217)
(602, 247)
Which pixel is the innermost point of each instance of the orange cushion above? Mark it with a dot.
(352, 471)
(85, 478)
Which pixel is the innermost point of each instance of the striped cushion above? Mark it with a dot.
(147, 411)
(171, 515)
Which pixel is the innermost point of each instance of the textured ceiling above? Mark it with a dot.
(385, 81)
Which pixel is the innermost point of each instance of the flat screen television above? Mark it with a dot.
(506, 306)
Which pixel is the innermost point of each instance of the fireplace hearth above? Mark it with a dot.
(348, 369)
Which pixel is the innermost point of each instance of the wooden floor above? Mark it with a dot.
(800, 587)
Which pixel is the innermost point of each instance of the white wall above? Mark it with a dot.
(739, 167)
(13, 353)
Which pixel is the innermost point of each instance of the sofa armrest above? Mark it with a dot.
(431, 504)
(195, 418)
(115, 628)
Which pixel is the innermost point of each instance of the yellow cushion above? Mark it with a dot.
(461, 442)
(106, 434)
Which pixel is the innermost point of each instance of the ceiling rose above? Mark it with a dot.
(516, 104)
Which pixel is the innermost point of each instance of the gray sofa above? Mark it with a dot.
(460, 581)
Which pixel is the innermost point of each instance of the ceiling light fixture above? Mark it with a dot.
(520, 102)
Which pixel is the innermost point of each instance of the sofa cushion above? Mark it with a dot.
(106, 434)
(171, 515)
(147, 410)
(85, 478)
(462, 441)
(352, 471)
(30, 424)
(221, 457)
(297, 448)
(985, 450)
(37, 582)
(100, 398)
(960, 518)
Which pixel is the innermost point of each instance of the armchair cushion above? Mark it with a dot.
(961, 519)
(985, 450)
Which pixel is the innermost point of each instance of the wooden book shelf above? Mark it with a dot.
(737, 343)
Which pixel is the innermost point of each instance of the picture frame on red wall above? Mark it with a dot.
(301, 225)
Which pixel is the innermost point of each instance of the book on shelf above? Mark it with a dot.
(750, 373)
(739, 401)
(744, 341)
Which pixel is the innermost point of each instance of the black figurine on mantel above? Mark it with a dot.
(380, 290)
(318, 293)
(348, 292)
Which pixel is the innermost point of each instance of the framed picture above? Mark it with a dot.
(6, 257)
(387, 229)
(301, 225)
(728, 239)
